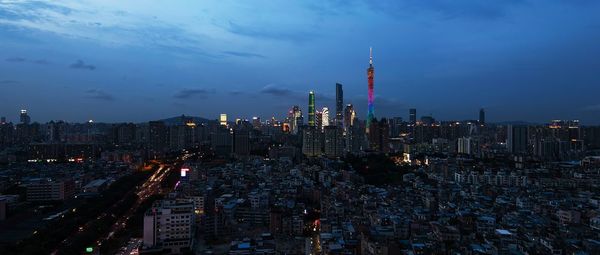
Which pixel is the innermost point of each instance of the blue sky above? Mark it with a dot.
(111, 61)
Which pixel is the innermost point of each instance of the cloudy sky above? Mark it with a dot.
(130, 60)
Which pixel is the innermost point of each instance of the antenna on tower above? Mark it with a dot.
(370, 55)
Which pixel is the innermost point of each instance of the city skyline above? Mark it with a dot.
(129, 62)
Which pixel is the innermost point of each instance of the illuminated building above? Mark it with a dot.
(256, 122)
(223, 119)
(324, 117)
(370, 76)
(412, 116)
(349, 116)
(25, 119)
(168, 226)
(319, 120)
(311, 109)
(3, 120)
(295, 119)
(46, 190)
(339, 105)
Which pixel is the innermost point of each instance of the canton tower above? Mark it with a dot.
(370, 76)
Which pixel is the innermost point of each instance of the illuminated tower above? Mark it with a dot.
(370, 76)
(311, 109)
(324, 117)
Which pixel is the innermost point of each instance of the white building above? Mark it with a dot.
(168, 226)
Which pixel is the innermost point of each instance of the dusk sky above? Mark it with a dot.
(116, 61)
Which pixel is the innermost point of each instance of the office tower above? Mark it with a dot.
(339, 105)
(324, 117)
(25, 119)
(481, 116)
(412, 116)
(349, 116)
(168, 226)
(241, 142)
(311, 109)
(295, 119)
(157, 135)
(395, 126)
(333, 141)
(516, 141)
(319, 120)
(47, 190)
(468, 145)
(379, 133)
(370, 77)
(256, 122)
(311, 142)
(223, 119)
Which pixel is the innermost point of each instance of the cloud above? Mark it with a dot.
(16, 59)
(41, 62)
(592, 108)
(189, 93)
(81, 65)
(243, 54)
(271, 33)
(99, 94)
(9, 82)
(275, 90)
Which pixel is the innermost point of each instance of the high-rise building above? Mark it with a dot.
(324, 117)
(339, 105)
(256, 122)
(311, 109)
(168, 226)
(223, 119)
(412, 116)
(333, 141)
(349, 116)
(379, 134)
(25, 119)
(311, 142)
(516, 141)
(370, 77)
(295, 119)
(3, 120)
(157, 135)
(319, 120)
(481, 116)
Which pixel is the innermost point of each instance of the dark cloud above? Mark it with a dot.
(271, 34)
(16, 59)
(81, 65)
(189, 93)
(9, 82)
(99, 94)
(275, 90)
(243, 54)
(41, 62)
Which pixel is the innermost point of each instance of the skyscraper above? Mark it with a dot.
(481, 117)
(325, 117)
(223, 119)
(25, 119)
(412, 116)
(516, 141)
(370, 76)
(349, 115)
(339, 105)
(311, 109)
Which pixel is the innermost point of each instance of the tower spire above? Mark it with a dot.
(371, 56)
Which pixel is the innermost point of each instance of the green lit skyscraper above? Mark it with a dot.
(311, 109)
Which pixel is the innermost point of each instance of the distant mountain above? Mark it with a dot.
(181, 119)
